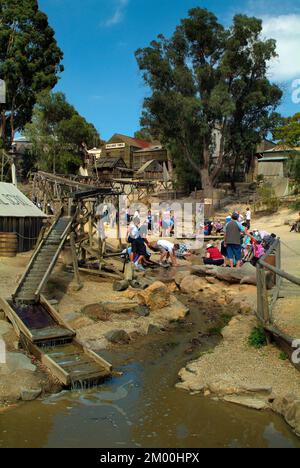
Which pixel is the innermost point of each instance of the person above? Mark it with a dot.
(296, 226)
(232, 240)
(248, 218)
(208, 227)
(258, 250)
(269, 241)
(218, 227)
(150, 221)
(167, 251)
(183, 251)
(213, 256)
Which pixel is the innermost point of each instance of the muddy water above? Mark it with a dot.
(142, 408)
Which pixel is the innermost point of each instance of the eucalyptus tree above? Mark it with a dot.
(208, 80)
(30, 62)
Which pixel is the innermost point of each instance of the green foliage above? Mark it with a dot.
(58, 133)
(207, 78)
(288, 132)
(257, 339)
(267, 195)
(223, 322)
(29, 62)
(283, 356)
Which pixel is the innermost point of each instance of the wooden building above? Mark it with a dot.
(151, 171)
(133, 151)
(19, 215)
(112, 168)
(153, 153)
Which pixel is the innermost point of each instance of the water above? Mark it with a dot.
(142, 408)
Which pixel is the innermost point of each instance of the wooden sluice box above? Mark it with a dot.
(45, 335)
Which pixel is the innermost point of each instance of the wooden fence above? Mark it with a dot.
(267, 298)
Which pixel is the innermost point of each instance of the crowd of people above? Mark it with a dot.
(240, 244)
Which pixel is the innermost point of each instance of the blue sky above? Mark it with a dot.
(99, 38)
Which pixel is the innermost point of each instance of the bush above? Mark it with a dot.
(258, 338)
(268, 197)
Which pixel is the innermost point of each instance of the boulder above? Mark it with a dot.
(180, 275)
(157, 296)
(248, 402)
(16, 362)
(96, 312)
(30, 394)
(120, 285)
(118, 337)
(192, 284)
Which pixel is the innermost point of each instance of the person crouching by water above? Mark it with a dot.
(167, 251)
(213, 256)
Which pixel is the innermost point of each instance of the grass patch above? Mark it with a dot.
(283, 356)
(257, 338)
(224, 321)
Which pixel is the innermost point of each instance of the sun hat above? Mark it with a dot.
(209, 246)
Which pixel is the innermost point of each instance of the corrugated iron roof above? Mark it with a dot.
(14, 204)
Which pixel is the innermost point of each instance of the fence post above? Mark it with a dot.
(262, 296)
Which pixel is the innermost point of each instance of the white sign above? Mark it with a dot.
(115, 146)
(2, 92)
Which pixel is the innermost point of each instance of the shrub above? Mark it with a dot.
(257, 338)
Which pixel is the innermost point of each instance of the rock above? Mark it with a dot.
(153, 329)
(157, 296)
(248, 402)
(118, 337)
(207, 393)
(121, 285)
(130, 294)
(211, 280)
(81, 322)
(30, 394)
(96, 312)
(5, 327)
(120, 307)
(192, 284)
(175, 311)
(258, 389)
(16, 362)
(180, 275)
(172, 287)
(143, 311)
(224, 387)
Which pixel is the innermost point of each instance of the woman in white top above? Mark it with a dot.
(167, 251)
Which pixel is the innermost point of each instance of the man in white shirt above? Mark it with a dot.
(167, 251)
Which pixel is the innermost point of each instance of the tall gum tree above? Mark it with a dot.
(207, 79)
(30, 62)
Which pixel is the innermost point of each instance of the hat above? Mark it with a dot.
(209, 246)
(228, 219)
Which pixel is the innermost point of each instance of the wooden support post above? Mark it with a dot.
(75, 262)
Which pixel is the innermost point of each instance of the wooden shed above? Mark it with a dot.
(151, 170)
(112, 168)
(19, 215)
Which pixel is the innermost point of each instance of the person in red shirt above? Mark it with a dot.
(213, 256)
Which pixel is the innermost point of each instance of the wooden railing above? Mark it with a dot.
(267, 297)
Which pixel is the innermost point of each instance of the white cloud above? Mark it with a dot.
(286, 30)
(118, 15)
